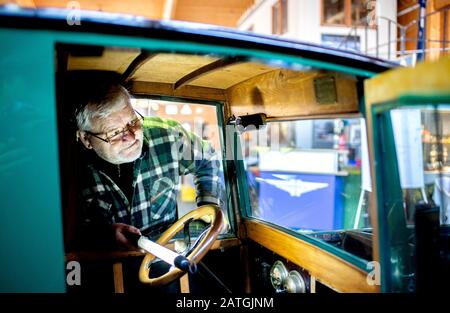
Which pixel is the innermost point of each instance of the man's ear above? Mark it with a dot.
(81, 135)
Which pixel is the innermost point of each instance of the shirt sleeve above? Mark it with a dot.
(93, 219)
(198, 157)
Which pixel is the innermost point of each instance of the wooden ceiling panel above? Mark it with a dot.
(231, 75)
(169, 68)
(284, 93)
(111, 60)
(247, 87)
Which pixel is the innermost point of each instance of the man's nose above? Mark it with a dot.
(128, 135)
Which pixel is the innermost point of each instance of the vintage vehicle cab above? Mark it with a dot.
(334, 165)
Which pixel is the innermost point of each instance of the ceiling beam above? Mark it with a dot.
(22, 3)
(169, 9)
(208, 68)
(140, 60)
(166, 89)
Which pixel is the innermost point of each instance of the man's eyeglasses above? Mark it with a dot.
(116, 135)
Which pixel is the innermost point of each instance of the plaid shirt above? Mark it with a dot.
(168, 152)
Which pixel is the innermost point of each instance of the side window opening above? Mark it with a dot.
(422, 140)
(199, 119)
(307, 176)
(196, 118)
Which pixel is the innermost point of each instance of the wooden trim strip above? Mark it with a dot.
(312, 284)
(114, 255)
(349, 114)
(118, 277)
(166, 89)
(100, 255)
(245, 269)
(429, 78)
(184, 284)
(208, 68)
(324, 266)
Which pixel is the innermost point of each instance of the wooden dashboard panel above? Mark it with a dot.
(325, 267)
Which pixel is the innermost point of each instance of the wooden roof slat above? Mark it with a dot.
(136, 64)
(232, 75)
(170, 67)
(208, 68)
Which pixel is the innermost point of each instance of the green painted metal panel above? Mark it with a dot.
(352, 193)
(395, 256)
(226, 171)
(32, 255)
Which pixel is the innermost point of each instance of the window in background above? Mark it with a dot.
(307, 175)
(200, 119)
(280, 17)
(422, 142)
(360, 11)
(342, 42)
(347, 12)
(333, 12)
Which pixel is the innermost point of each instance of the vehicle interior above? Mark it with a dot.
(334, 165)
(270, 121)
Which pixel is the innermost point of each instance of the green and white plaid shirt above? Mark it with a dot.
(169, 151)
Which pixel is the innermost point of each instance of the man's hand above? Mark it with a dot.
(226, 223)
(207, 219)
(120, 230)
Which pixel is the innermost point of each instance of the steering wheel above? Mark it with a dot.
(199, 251)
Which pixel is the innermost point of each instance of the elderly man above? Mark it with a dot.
(133, 167)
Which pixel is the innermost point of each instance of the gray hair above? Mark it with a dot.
(102, 103)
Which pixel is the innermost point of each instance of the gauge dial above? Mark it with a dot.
(294, 283)
(278, 274)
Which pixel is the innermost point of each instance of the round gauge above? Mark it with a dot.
(278, 273)
(294, 283)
